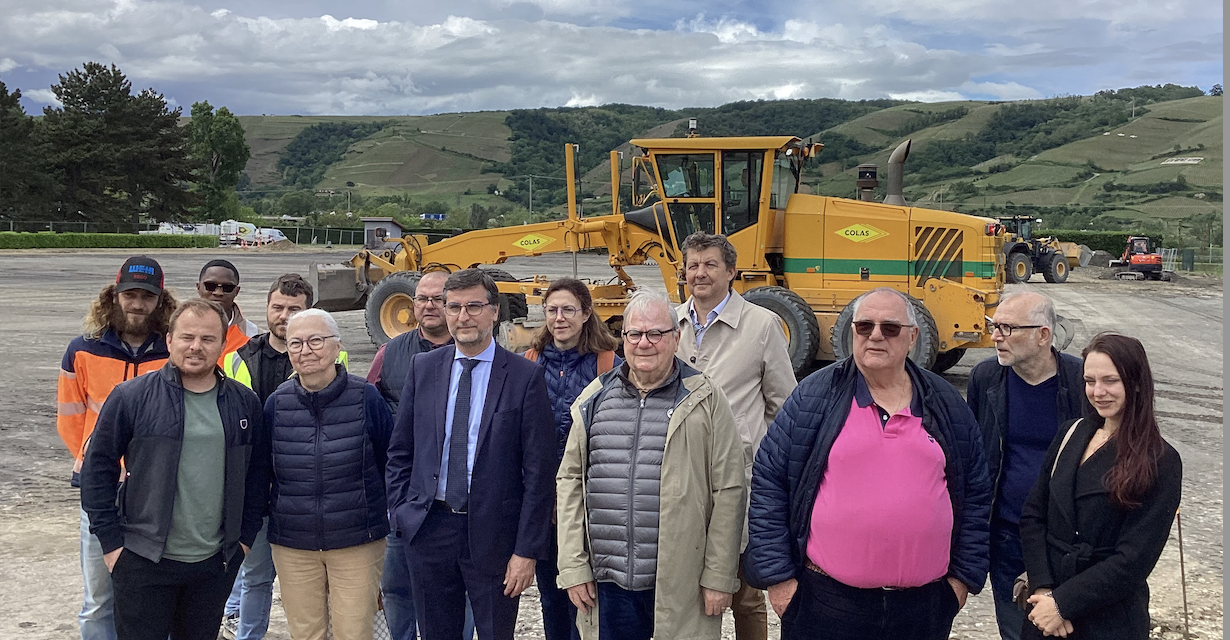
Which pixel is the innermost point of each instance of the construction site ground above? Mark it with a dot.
(44, 294)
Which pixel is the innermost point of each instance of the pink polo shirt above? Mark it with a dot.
(883, 516)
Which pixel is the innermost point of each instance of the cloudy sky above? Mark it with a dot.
(415, 57)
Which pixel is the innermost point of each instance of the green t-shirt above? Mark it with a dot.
(196, 518)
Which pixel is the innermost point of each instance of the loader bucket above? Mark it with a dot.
(336, 287)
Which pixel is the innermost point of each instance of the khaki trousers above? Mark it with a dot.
(750, 611)
(337, 588)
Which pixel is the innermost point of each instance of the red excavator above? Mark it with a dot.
(1142, 260)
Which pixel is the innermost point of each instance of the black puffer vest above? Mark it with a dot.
(397, 355)
(328, 492)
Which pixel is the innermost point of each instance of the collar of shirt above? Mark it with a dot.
(487, 355)
(710, 317)
(862, 395)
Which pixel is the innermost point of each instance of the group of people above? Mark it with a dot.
(645, 495)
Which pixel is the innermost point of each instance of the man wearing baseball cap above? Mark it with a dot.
(123, 337)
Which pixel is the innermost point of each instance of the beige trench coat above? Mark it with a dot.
(702, 508)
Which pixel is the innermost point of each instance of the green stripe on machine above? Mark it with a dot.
(842, 266)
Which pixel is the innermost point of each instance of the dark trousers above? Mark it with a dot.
(442, 575)
(826, 609)
(559, 617)
(1006, 565)
(169, 599)
(623, 614)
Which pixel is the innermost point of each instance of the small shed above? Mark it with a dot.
(377, 230)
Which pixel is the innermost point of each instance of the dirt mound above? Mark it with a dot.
(280, 245)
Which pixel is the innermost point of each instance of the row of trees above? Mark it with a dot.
(108, 155)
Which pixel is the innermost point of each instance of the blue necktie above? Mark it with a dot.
(457, 492)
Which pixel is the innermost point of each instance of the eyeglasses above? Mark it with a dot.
(213, 286)
(1007, 329)
(315, 343)
(887, 329)
(653, 335)
(434, 301)
(567, 312)
(472, 308)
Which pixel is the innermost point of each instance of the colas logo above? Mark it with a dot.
(532, 242)
(861, 233)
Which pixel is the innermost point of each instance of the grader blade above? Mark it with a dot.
(336, 287)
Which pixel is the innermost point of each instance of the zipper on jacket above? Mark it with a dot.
(636, 447)
(320, 482)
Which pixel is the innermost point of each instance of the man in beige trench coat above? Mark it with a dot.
(651, 493)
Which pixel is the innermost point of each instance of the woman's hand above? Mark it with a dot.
(1045, 615)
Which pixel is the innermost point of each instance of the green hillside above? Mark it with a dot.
(1105, 161)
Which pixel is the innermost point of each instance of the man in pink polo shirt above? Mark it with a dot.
(870, 495)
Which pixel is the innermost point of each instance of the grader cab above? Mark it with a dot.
(802, 256)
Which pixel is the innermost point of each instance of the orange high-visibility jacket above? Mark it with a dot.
(90, 369)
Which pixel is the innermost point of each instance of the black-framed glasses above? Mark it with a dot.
(1006, 329)
(472, 308)
(887, 329)
(434, 301)
(315, 343)
(213, 286)
(567, 312)
(654, 336)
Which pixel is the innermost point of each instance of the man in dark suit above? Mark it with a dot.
(471, 470)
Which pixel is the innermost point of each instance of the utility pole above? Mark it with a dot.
(531, 195)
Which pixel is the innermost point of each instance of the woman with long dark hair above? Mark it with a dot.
(574, 347)
(1100, 513)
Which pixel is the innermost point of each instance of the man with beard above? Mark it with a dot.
(262, 365)
(123, 337)
(219, 282)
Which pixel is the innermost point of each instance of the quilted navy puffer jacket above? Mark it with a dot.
(567, 374)
(793, 456)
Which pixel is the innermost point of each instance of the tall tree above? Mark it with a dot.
(220, 153)
(122, 155)
(25, 188)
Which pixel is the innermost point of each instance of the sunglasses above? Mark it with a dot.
(887, 329)
(213, 286)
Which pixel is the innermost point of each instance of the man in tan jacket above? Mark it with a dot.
(743, 349)
(651, 494)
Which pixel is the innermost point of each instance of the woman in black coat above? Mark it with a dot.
(1092, 531)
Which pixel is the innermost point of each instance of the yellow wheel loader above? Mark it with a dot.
(804, 257)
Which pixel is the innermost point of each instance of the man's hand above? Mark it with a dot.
(111, 558)
(584, 596)
(781, 594)
(961, 590)
(1045, 616)
(519, 575)
(715, 601)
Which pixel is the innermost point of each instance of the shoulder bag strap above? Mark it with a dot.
(1067, 436)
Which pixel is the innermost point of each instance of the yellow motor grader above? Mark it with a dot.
(803, 257)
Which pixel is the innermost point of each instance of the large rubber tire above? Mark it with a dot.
(798, 320)
(1057, 270)
(947, 360)
(390, 306)
(511, 305)
(925, 350)
(1019, 268)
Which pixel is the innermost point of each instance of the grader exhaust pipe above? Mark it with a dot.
(896, 171)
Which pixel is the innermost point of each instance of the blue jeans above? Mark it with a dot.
(252, 595)
(624, 615)
(1006, 565)
(97, 617)
(399, 594)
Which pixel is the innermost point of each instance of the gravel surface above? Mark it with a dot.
(46, 293)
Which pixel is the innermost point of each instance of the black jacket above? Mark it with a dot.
(1095, 555)
(794, 454)
(988, 398)
(142, 422)
(329, 453)
(396, 363)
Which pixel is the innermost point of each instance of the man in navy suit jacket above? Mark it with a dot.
(471, 470)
